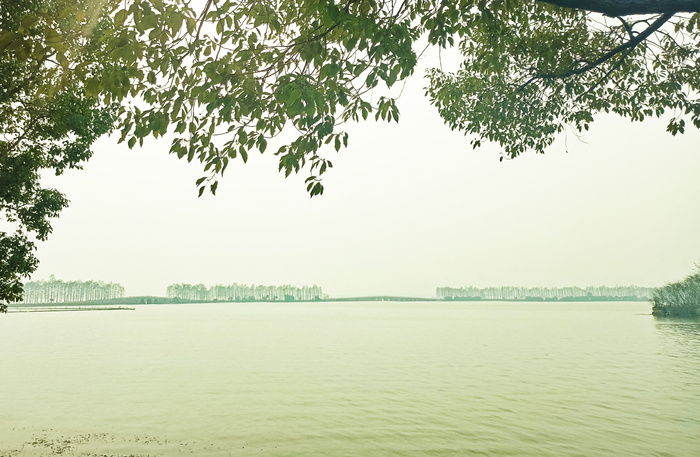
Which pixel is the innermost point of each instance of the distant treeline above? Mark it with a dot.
(57, 291)
(544, 293)
(242, 292)
(679, 298)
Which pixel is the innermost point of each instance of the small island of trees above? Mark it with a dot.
(678, 299)
(242, 292)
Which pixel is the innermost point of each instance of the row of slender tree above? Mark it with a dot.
(240, 292)
(523, 293)
(680, 298)
(57, 291)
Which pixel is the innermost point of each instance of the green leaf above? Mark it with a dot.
(120, 17)
(337, 144)
(28, 22)
(191, 25)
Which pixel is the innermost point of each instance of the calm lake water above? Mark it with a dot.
(351, 379)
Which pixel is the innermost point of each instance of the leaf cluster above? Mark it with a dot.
(532, 71)
(229, 79)
(46, 123)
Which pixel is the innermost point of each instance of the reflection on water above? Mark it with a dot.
(684, 330)
(681, 336)
(351, 379)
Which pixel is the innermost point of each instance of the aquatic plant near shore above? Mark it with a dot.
(679, 299)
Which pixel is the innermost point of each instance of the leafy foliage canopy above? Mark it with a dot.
(46, 123)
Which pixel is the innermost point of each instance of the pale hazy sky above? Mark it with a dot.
(407, 208)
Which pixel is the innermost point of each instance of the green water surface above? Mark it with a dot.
(351, 379)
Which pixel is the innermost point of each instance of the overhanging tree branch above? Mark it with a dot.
(616, 8)
(625, 47)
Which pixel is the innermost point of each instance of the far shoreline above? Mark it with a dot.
(154, 300)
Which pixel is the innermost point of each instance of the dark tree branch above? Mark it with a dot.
(616, 8)
(627, 27)
(202, 18)
(627, 46)
(606, 75)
